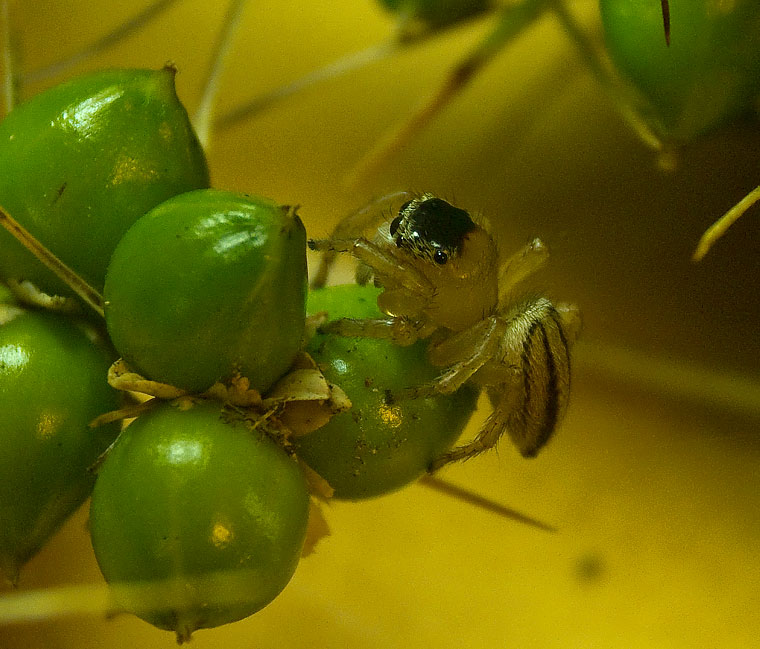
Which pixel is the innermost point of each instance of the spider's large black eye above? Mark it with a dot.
(394, 225)
(440, 257)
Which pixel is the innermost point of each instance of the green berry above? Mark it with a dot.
(52, 384)
(203, 518)
(377, 447)
(708, 75)
(83, 161)
(207, 284)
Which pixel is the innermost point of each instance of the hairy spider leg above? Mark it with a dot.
(462, 354)
(520, 266)
(385, 264)
(353, 227)
(406, 278)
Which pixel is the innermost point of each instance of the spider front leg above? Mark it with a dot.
(405, 287)
(352, 227)
(463, 354)
(520, 266)
(527, 382)
(400, 331)
(387, 266)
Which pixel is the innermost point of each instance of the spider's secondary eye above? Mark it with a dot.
(394, 225)
(440, 257)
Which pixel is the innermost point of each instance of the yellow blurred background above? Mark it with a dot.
(653, 479)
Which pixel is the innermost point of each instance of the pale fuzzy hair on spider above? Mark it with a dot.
(441, 278)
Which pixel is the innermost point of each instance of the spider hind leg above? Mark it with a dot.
(531, 397)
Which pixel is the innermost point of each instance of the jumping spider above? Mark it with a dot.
(442, 280)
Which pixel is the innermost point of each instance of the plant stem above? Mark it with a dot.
(74, 281)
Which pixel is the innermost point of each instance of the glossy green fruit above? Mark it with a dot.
(206, 284)
(375, 448)
(52, 384)
(203, 518)
(437, 13)
(83, 161)
(709, 75)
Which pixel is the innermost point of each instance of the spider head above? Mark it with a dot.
(431, 229)
(444, 240)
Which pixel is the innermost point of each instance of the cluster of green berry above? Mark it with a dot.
(200, 506)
